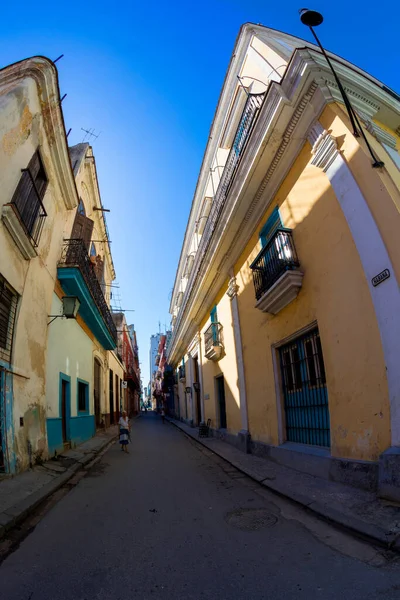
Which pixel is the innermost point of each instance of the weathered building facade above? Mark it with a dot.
(84, 374)
(38, 194)
(60, 378)
(286, 299)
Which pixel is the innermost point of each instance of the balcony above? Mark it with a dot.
(276, 278)
(182, 373)
(243, 133)
(213, 342)
(24, 218)
(77, 277)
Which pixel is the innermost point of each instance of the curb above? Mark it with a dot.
(367, 531)
(13, 515)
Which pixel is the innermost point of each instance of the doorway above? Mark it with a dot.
(97, 392)
(111, 398)
(221, 401)
(197, 390)
(65, 407)
(2, 424)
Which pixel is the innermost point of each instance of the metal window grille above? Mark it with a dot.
(27, 199)
(8, 309)
(305, 392)
(213, 336)
(277, 257)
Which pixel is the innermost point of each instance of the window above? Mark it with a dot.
(93, 250)
(83, 396)
(8, 308)
(28, 197)
(304, 390)
(273, 223)
(81, 208)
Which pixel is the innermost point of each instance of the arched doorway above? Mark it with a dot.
(97, 392)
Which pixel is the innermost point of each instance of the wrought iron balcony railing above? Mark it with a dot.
(277, 257)
(212, 338)
(182, 372)
(75, 254)
(243, 132)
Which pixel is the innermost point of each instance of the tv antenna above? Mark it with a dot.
(89, 134)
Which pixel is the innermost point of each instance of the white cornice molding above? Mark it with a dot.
(217, 127)
(378, 132)
(44, 73)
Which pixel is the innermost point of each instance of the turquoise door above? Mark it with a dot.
(305, 392)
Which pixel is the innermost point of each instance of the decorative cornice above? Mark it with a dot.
(378, 132)
(358, 100)
(44, 73)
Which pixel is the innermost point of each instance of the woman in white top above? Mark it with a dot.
(124, 431)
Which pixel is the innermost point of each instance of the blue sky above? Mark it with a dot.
(148, 75)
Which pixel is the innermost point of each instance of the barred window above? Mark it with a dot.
(28, 196)
(8, 307)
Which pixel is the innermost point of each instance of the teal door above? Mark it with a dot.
(305, 392)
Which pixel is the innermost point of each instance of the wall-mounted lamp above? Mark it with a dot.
(188, 390)
(70, 307)
(312, 18)
(196, 386)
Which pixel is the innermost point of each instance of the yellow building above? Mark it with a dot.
(286, 304)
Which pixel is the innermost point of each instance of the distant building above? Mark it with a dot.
(154, 341)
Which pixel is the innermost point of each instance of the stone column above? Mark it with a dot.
(190, 361)
(244, 435)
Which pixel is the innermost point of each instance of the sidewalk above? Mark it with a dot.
(21, 494)
(357, 510)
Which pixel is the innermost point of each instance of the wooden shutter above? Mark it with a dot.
(82, 229)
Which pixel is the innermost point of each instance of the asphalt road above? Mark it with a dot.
(172, 521)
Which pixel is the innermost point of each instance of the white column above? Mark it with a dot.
(374, 259)
(232, 293)
(200, 362)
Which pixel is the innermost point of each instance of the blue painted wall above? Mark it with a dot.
(82, 428)
(54, 436)
(6, 399)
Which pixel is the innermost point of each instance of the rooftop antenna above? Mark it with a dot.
(89, 134)
(159, 327)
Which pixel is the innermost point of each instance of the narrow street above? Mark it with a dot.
(171, 520)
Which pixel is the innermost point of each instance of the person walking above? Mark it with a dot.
(124, 428)
(163, 414)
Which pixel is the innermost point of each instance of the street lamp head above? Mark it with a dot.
(311, 18)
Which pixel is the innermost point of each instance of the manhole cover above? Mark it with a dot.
(251, 519)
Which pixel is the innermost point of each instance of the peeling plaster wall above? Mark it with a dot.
(21, 133)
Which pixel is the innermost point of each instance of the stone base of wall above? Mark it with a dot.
(389, 474)
(318, 462)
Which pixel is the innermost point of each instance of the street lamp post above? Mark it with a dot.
(311, 19)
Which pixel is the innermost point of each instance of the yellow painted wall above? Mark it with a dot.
(226, 366)
(336, 295)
